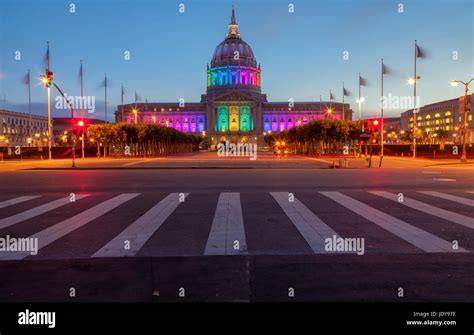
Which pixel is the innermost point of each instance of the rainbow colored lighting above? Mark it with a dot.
(233, 75)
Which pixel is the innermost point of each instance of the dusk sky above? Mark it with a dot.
(301, 53)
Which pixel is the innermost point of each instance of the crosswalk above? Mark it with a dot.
(318, 222)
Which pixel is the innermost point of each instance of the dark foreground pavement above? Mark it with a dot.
(242, 279)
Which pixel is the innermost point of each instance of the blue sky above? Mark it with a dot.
(301, 53)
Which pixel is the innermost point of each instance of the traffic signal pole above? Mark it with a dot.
(73, 134)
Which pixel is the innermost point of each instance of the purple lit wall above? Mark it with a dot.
(188, 122)
(280, 122)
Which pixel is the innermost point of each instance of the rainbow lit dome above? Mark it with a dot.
(233, 65)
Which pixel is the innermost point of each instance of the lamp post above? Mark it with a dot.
(81, 124)
(466, 121)
(135, 112)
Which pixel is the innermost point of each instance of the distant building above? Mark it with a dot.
(234, 107)
(19, 129)
(446, 115)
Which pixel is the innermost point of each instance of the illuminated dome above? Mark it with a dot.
(233, 65)
(233, 51)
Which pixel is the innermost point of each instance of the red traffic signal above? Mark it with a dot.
(47, 78)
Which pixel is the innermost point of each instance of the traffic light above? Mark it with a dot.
(47, 78)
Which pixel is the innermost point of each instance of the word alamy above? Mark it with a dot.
(237, 150)
(86, 103)
(37, 318)
(13, 244)
(339, 244)
(400, 102)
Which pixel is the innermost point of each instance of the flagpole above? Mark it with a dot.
(29, 106)
(343, 93)
(82, 113)
(321, 104)
(49, 107)
(414, 106)
(105, 97)
(122, 104)
(360, 106)
(381, 113)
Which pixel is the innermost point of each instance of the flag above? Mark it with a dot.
(26, 78)
(122, 93)
(420, 53)
(104, 82)
(346, 92)
(46, 58)
(331, 96)
(137, 97)
(362, 81)
(385, 69)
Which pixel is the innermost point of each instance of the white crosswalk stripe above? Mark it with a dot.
(312, 228)
(33, 212)
(18, 200)
(132, 239)
(227, 234)
(413, 235)
(59, 230)
(454, 198)
(432, 210)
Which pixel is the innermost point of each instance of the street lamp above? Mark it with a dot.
(81, 124)
(135, 112)
(466, 124)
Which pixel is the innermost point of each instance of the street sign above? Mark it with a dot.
(364, 135)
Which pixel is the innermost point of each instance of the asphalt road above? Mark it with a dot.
(181, 226)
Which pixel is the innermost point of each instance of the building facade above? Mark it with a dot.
(446, 115)
(233, 107)
(22, 129)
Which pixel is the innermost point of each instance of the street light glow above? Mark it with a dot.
(411, 81)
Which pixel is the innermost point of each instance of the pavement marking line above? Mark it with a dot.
(142, 161)
(53, 233)
(461, 200)
(227, 227)
(444, 179)
(15, 201)
(431, 172)
(311, 227)
(413, 235)
(432, 210)
(140, 231)
(31, 213)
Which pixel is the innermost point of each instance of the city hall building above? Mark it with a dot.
(233, 107)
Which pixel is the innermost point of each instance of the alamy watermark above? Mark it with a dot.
(349, 244)
(21, 244)
(228, 149)
(86, 102)
(402, 102)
